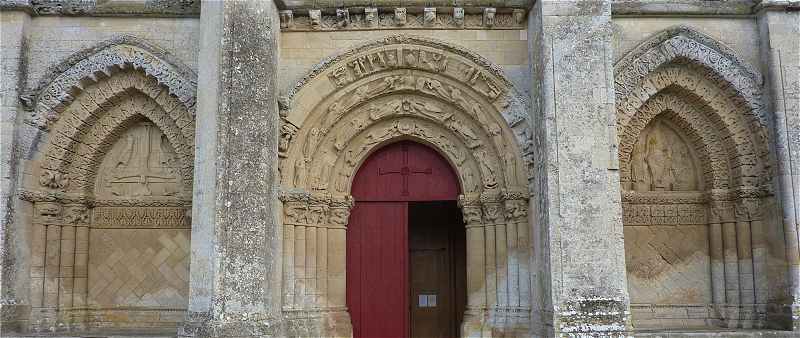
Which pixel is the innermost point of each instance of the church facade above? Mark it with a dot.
(504, 168)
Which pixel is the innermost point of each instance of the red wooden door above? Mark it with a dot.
(377, 233)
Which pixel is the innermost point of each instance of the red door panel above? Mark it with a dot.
(377, 233)
(377, 269)
(405, 171)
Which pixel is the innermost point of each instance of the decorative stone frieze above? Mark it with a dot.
(367, 18)
(155, 8)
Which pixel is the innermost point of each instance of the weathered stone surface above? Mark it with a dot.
(14, 305)
(781, 50)
(576, 205)
(100, 8)
(236, 252)
(97, 178)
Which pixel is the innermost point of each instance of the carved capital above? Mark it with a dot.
(340, 211)
(472, 215)
(493, 213)
(721, 212)
(76, 214)
(48, 212)
(749, 209)
(516, 210)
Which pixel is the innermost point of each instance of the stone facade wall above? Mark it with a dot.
(52, 39)
(738, 33)
(656, 143)
(300, 51)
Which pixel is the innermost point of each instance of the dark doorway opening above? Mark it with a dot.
(437, 269)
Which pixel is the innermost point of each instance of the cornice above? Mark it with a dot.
(151, 8)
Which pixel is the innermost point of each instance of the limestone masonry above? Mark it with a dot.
(185, 167)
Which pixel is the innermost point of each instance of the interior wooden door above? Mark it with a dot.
(377, 233)
(437, 292)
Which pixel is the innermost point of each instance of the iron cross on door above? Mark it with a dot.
(405, 171)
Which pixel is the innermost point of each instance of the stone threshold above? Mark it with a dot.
(733, 333)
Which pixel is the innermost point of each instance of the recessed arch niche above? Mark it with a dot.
(110, 187)
(696, 176)
(405, 88)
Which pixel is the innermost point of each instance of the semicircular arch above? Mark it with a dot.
(404, 88)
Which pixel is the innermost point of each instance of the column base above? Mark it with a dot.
(318, 323)
(202, 324)
(497, 322)
(14, 317)
(598, 316)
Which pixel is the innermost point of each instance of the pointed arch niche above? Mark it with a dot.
(404, 87)
(110, 184)
(696, 171)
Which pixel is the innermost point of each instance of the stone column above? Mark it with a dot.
(717, 253)
(14, 285)
(577, 211)
(235, 275)
(475, 313)
(780, 48)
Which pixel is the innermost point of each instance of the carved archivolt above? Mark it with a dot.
(712, 96)
(401, 88)
(65, 81)
(411, 90)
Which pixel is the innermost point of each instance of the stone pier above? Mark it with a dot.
(236, 235)
(575, 196)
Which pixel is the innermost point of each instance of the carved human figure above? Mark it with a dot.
(433, 87)
(511, 166)
(311, 142)
(487, 171)
(661, 161)
(300, 172)
(465, 131)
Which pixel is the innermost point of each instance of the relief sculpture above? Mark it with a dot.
(141, 163)
(662, 161)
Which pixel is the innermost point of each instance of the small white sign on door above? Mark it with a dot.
(426, 300)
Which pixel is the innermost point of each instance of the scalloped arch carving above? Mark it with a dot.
(65, 81)
(96, 119)
(717, 95)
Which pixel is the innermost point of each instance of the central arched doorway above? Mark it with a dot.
(406, 251)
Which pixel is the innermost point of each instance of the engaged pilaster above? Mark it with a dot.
(236, 245)
(576, 189)
(780, 48)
